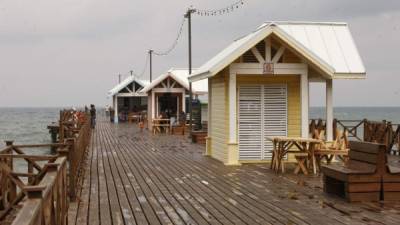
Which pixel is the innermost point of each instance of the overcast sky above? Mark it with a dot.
(70, 52)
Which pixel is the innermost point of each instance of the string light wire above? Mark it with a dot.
(202, 12)
(174, 44)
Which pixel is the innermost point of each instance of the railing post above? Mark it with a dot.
(13, 186)
(365, 135)
(334, 128)
(72, 167)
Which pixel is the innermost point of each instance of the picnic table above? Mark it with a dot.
(160, 124)
(305, 150)
(133, 118)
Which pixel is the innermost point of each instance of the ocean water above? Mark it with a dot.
(391, 114)
(29, 125)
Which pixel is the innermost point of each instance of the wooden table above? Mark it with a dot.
(133, 118)
(159, 124)
(283, 146)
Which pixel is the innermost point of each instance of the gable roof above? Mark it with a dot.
(115, 90)
(180, 76)
(329, 46)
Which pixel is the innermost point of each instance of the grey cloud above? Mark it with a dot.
(70, 52)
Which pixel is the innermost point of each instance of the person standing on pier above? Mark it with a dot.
(92, 116)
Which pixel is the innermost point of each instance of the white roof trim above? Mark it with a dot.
(115, 90)
(181, 77)
(340, 55)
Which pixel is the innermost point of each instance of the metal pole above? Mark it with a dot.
(189, 17)
(151, 65)
(119, 78)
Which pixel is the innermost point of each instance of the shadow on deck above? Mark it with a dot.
(134, 177)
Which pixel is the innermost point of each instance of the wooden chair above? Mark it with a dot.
(301, 158)
(359, 179)
(330, 150)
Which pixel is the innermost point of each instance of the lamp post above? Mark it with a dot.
(188, 15)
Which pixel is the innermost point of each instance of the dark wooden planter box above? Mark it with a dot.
(199, 137)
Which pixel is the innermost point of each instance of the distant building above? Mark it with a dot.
(127, 98)
(168, 94)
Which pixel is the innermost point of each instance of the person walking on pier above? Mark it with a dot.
(92, 116)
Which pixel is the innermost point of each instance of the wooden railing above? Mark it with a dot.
(39, 189)
(383, 132)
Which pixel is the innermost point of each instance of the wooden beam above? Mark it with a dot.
(278, 54)
(268, 50)
(329, 110)
(257, 54)
(129, 90)
(173, 84)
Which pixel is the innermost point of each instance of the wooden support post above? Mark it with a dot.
(329, 110)
(304, 103)
(13, 187)
(115, 98)
(232, 108)
(72, 168)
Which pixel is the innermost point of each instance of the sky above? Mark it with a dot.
(70, 52)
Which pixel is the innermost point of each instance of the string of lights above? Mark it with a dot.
(144, 67)
(132, 73)
(221, 11)
(174, 44)
(201, 12)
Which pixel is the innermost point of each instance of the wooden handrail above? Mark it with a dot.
(59, 185)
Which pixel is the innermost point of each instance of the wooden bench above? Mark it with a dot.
(391, 179)
(359, 179)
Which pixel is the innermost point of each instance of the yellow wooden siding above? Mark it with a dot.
(294, 100)
(219, 131)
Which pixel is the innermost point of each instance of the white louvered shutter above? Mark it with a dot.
(274, 115)
(250, 118)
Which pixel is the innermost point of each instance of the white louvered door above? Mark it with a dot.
(262, 112)
(274, 116)
(250, 99)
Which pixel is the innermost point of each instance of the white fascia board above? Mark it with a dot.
(345, 76)
(200, 76)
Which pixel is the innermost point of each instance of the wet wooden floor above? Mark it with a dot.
(134, 177)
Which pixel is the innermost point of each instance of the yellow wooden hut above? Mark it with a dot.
(259, 85)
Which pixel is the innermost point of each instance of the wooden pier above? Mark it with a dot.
(134, 177)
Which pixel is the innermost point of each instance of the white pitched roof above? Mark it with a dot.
(180, 76)
(125, 83)
(330, 46)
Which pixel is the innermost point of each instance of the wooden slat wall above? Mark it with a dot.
(219, 118)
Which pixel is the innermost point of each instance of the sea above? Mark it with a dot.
(29, 125)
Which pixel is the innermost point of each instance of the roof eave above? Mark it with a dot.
(349, 76)
(199, 76)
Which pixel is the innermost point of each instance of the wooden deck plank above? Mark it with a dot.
(177, 194)
(104, 206)
(126, 210)
(171, 166)
(127, 186)
(83, 199)
(137, 177)
(94, 211)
